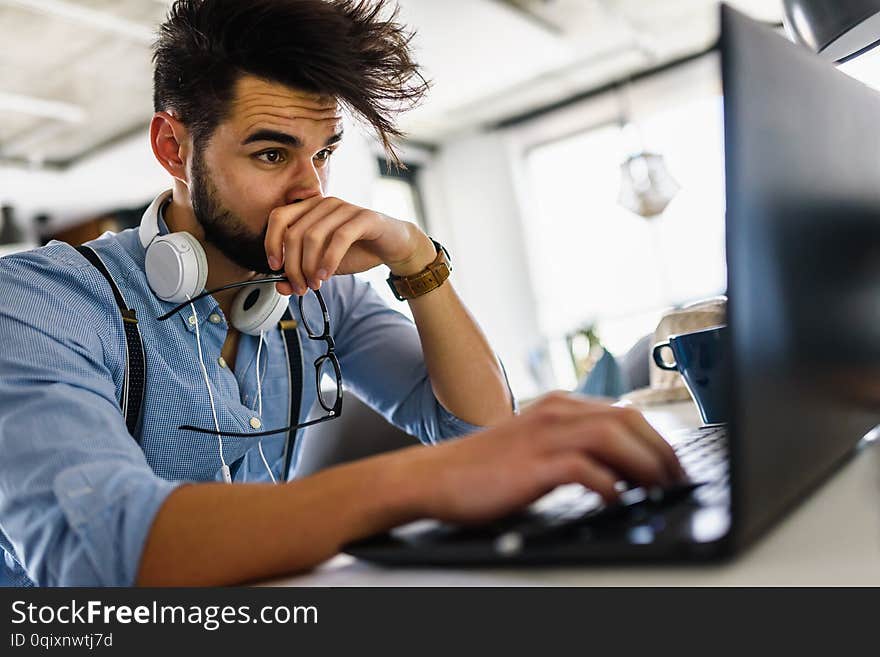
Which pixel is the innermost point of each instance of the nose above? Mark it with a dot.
(305, 183)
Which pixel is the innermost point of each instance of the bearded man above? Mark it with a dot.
(153, 383)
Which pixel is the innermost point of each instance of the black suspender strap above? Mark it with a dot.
(135, 368)
(293, 349)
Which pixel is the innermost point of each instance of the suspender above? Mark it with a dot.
(135, 365)
(293, 349)
(135, 368)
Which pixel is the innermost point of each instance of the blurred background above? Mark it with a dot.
(569, 156)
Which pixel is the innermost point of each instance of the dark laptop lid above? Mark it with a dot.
(802, 145)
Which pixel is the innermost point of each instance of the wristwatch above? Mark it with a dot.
(430, 278)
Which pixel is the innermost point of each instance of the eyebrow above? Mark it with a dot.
(284, 138)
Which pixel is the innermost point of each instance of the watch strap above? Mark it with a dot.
(430, 278)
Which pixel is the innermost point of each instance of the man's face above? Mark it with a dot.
(272, 150)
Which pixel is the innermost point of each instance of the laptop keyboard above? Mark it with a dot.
(702, 453)
(704, 456)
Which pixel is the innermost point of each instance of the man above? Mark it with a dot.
(247, 100)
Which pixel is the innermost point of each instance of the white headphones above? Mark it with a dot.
(177, 270)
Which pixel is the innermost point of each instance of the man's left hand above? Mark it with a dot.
(320, 237)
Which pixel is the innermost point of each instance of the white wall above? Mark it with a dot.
(469, 191)
(26, 190)
(124, 174)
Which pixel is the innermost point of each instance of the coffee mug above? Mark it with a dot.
(702, 360)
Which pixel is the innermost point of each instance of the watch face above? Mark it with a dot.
(442, 249)
(392, 283)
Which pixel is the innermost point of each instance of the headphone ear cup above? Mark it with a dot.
(258, 308)
(177, 268)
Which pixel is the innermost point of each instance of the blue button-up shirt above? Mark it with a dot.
(77, 493)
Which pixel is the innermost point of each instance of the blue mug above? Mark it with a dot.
(702, 360)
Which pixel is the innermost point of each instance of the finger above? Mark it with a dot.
(316, 239)
(284, 288)
(293, 243)
(578, 469)
(292, 263)
(643, 429)
(343, 238)
(279, 220)
(560, 405)
(610, 441)
(568, 402)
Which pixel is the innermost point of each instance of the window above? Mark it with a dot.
(596, 263)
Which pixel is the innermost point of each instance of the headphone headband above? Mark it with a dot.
(149, 227)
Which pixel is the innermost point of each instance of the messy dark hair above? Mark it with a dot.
(352, 50)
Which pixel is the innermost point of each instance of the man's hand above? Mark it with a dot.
(561, 439)
(319, 237)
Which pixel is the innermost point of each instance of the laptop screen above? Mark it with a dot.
(802, 149)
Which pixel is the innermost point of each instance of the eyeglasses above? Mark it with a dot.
(317, 326)
(316, 320)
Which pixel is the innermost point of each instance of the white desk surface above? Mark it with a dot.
(832, 539)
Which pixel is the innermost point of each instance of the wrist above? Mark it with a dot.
(397, 488)
(421, 255)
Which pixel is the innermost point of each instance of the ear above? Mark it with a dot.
(170, 142)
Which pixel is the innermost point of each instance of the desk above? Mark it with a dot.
(832, 539)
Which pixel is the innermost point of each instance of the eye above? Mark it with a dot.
(273, 156)
(324, 155)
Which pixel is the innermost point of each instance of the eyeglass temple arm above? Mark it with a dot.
(257, 281)
(231, 434)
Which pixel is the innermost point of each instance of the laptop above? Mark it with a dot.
(802, 159)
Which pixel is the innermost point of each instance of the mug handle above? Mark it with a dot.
(658, 357)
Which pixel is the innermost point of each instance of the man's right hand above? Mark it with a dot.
(562, 438)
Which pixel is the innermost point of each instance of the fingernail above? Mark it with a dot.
(322, 274)
(273, 262)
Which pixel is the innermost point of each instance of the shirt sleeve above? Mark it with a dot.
(382, 363)
(77, 497)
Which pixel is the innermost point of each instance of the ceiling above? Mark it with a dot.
(76, 74)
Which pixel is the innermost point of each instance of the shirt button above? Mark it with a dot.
(255, 423)
(221, 362)
(214, 318)
(192, 320)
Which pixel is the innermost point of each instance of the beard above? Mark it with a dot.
(224, 229)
